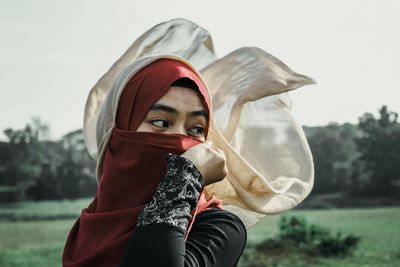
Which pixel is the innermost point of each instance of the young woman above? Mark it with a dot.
(163, 197)
(150, 208)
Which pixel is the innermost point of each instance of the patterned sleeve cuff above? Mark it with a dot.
(177, 160)
(176, 195)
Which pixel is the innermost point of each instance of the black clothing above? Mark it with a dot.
(217, 237)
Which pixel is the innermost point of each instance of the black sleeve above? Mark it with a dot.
(176, 195)
(217, 237)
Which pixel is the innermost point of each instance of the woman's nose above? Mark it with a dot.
(178, 129)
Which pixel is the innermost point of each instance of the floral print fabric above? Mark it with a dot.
(176, 195)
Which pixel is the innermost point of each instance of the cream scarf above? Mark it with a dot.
(269, 161)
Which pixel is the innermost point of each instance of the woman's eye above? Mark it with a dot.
(160, 123)
(197, 131)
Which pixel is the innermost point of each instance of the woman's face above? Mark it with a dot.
(179, 111)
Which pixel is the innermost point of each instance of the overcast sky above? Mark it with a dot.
(52, 52)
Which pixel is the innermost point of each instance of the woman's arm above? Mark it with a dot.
(217, 237)
(176, 195)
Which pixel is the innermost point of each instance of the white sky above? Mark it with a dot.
(52, 52)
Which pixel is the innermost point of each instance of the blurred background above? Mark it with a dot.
(53, 52)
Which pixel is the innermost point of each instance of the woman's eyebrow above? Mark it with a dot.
(160, 107)
(165, 108)
(202, 113)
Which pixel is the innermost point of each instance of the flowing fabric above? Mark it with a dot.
(270, 166)
(133, 165)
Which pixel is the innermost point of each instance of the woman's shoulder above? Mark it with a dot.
(219, 214)
(221, 233)
(220, 219)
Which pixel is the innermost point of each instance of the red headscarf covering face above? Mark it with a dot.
(133, 165)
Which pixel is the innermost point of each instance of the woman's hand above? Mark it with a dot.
(210, 161)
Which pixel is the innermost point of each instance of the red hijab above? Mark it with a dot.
(134, 164)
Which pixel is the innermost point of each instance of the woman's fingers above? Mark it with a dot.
(209, 160)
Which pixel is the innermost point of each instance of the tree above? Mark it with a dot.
(37, 168)
(379, 146)
(25, 155)
(68, 171)
(335, 157)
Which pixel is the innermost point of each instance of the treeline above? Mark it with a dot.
(361, 160)
(35, 168)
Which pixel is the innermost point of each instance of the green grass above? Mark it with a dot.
(379, 229)
(42, 210)
(32, 233)
(40, 242)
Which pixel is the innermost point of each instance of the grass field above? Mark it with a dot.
(36, 235)
(379, 229)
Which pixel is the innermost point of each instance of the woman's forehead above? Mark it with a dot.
(182, 99)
